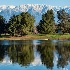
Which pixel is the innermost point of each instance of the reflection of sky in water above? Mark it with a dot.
(36, 42)
(35, 65)
(18, 67)
(55, 41)
(55, 63)
(37, 59)
(4, 42)
(7, 42)
(7, 64)
(6, 60)
(11, 42)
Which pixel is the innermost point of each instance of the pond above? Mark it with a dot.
(35, 55)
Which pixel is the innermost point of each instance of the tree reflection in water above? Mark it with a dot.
(22, 52)
(46, 51)
(63, 49)
(2, 51)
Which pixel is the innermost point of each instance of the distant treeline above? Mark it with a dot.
(23, 24)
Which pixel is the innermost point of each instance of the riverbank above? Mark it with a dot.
(38, 36)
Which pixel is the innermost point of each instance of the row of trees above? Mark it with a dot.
(23, 24)
(47, 25)
(64, 21)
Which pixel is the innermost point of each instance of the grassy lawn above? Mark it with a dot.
(51, 37)
(37, 36)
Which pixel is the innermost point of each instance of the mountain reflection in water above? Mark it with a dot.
(35, 55)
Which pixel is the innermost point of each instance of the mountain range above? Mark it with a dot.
(34, 9)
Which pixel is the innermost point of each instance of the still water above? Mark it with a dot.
(35, 55)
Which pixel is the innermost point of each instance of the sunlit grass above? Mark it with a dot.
(37, 36)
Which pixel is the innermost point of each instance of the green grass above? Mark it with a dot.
(50, 36)
(38, 36)
(56, 36)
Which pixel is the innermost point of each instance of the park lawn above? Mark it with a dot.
(37, 36)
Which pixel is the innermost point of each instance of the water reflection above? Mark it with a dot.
(35, 54)
(21, 53)
(2, 52)
(46, 50)
(63, 49)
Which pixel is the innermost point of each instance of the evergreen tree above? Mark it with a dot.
(46, 25)
(2, 24)
(21, 24)
(63, 19)
(27, 23)
(12, 25)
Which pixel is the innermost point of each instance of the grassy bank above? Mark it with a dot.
(37, 36)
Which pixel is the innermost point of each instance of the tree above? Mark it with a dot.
(2, 24)
(46, 25)
(27, 23)
(21, 24)
(64, 21)
(5, 28)
(13, 25)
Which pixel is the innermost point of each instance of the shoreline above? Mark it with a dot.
(38, 37)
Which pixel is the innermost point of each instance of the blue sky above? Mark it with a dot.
(48, 2)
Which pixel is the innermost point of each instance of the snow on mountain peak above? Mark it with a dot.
(11, 6)
(3, 7)
(34, 9)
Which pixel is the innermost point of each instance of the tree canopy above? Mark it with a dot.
(21, 24)
(2, 26)
(46, 25)
(64, 21)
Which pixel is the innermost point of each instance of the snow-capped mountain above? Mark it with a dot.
(34, 9)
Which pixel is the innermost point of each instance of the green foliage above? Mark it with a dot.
(46, 25)
(64, 20)
(21, 24)
(27, 22)
(13, 25)
(2, 24)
